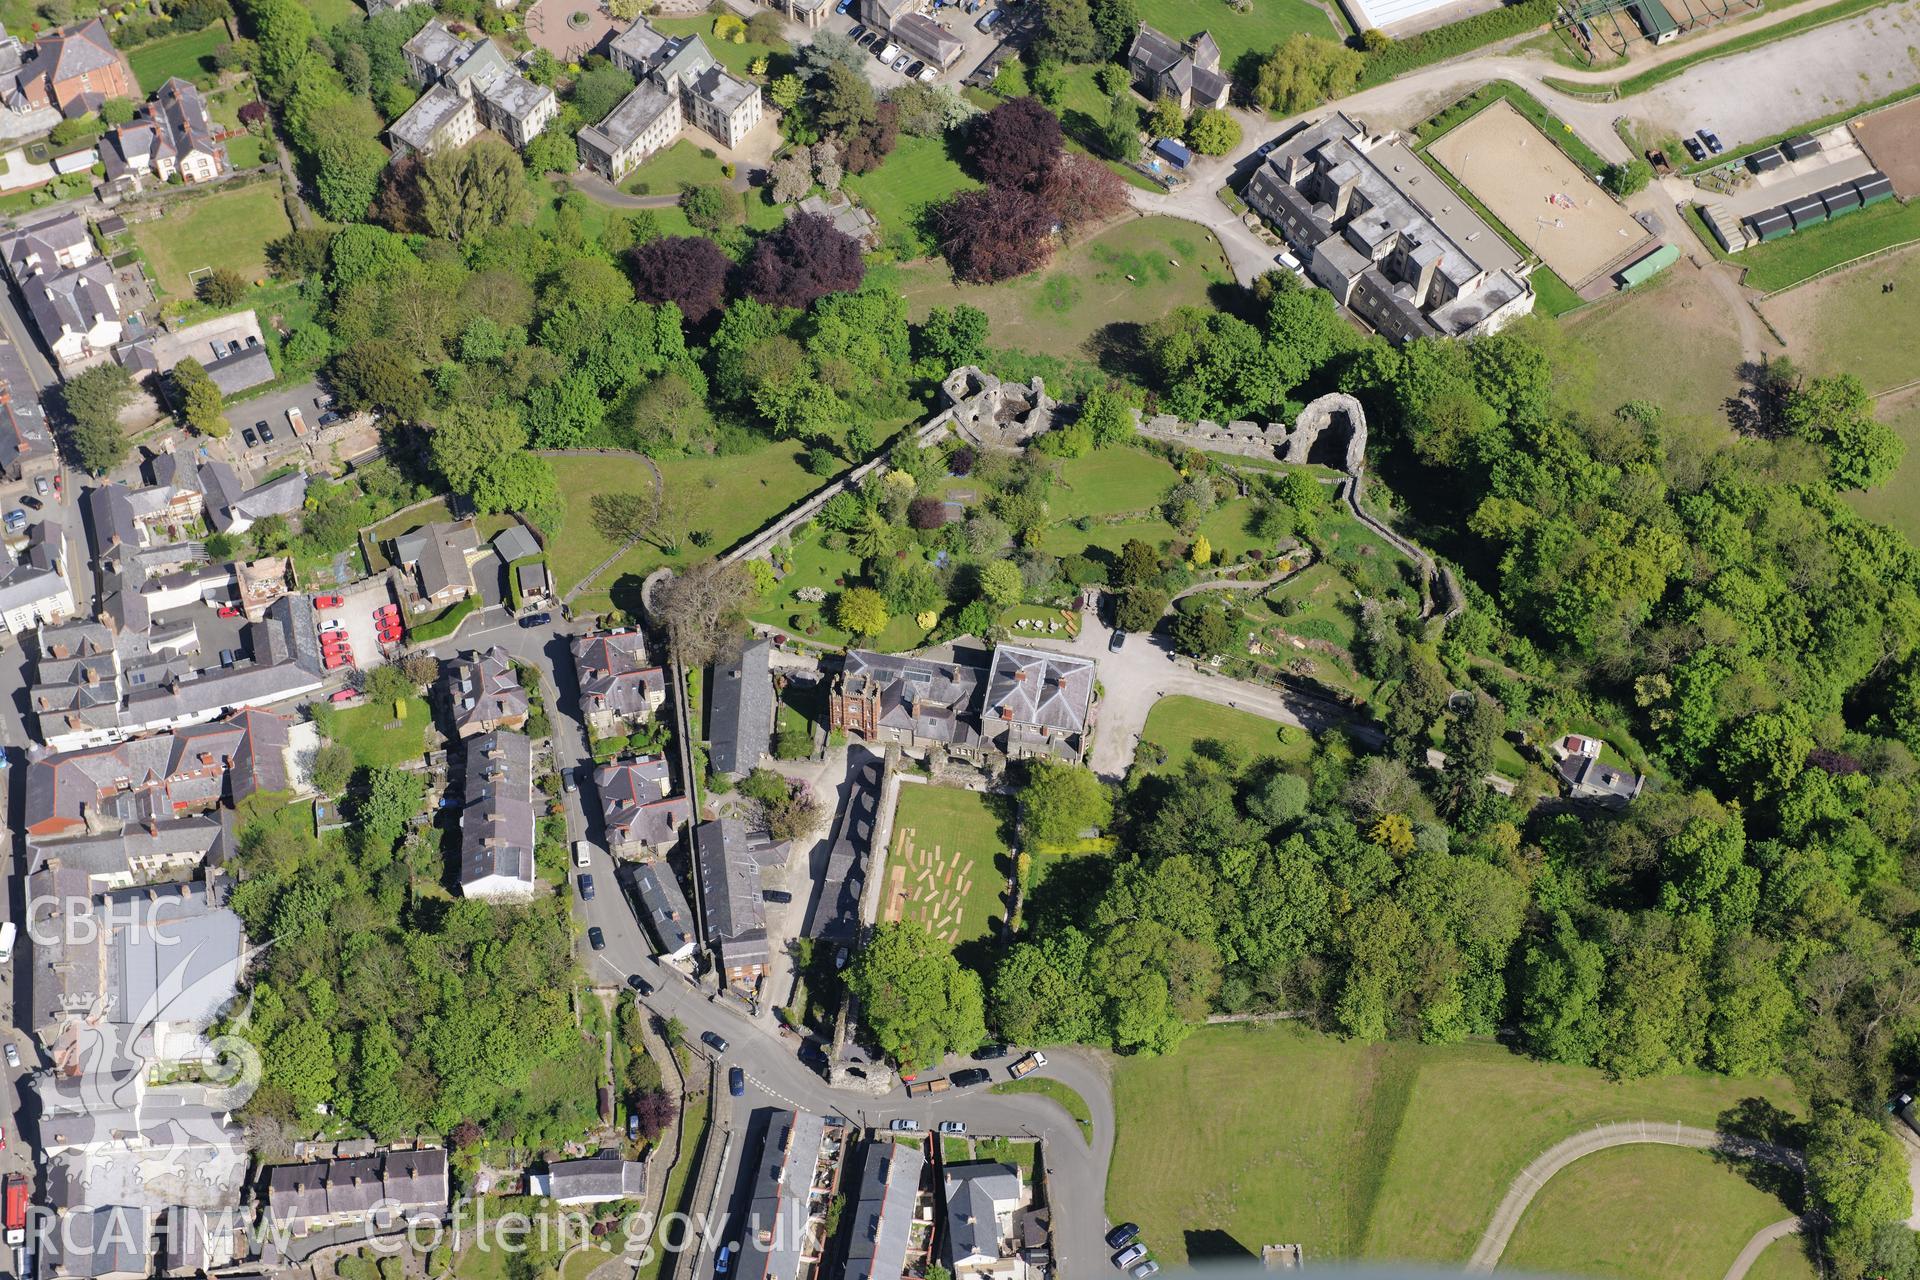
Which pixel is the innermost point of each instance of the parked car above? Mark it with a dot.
(40, 485)
(904, 1125)
(1123, 1235)
(229, 656)
(13, 1056)
(266, 432)
(633, 1126)
(596, 939)
(1694, 148)
(736, 1082)
(989, 1052)
(391, 636)
(913, 69)
(1145, 1270)
(16, 519)
(334, 661)
(328, 418)
(859, 29)
(714, 1041)
(780, 896)
(639, 984)
(1712, 140)
(328, 601)
(586, 890)
(926, 75)
(1129, 1255)
(28, 499)
(344, 695)
(572, 779)
(247, 434)
(868, 40)
(723, 1260)
(888, 52)
(988, 22)
(1116, 642)
(227, 611)
(970, 1076)
(953, 1128)
(533, 620)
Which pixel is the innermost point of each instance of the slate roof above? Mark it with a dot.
(109, 1240)
(614, 675)
(634, 801)
(1039, 688)
(939, 701)
(497, 822)
(740, 723)
(638, 46)
(35, 248)
(484, 689)
(425, 118)
(35, 576)
(782, 1195)
(601, 1176)
(72, 301)
(974, 1191)
(407, 1180)
(281, 496)
(629, 118)
(928, 38)
(439, 554)
(22, 438)
(515, 542)
(836, 913)
(883, 1213)
(666, 908)
(730, 886)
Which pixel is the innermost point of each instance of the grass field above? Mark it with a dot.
(1672, 343)
(1844, 323)
(1107, 482)
(673, 168)
(948, 867)
(230, 228)
(1774, 266)
(1652, 1213)
(1178, 723)
(1086, 289)
(734, 57)
(247, 151)
(1784, 1260)
(1897, 502)
(1250, 1135)
(376, 738)
(732, 496)
(185, 56)
(1063, 1094)
(1255, 31)
(919, 173)
(328, 14)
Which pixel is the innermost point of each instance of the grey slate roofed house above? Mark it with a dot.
(740, 723)
(730, 886)
(327, 1193)
(26, 446)
(438, 556)
(497, 820)
(788, 1200)
(912, 701)
(110, 1242)
(468, 83)
(485, 694)
(51, 245)
(666, 909)
(172, 135)
(619, 690)
(883, 1213)
(929, 39)
(641, 820)
(34, 590)
(1037, 702)
(982, 1199)
(641, 123)
(1588, 778)
(836, 914)
(236, 513)
(597, 1179)
(1188, 71)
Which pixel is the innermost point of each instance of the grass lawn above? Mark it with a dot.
(1784, 1260)
(1672, 343)
(1844, 323)
(246, 151)
(1690, 1216)
(814, 565)
(1063, 1094)
(1256, 31)
(230, 228)
(669, 170)
(1107, 482)
(1265, 1134)
(1055, 311)
(949, 865)
(694, 1123)
(328, 14)
(919, 173)
(376, 738)
(732, 497)
(1178, 723)
(1552, 294)
(1897, 502)
(185, 56)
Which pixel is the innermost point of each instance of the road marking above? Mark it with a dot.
(770, 1091)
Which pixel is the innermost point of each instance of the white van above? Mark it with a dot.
(580, 851)
(8, 932)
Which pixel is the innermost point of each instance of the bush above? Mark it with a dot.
(443, 626)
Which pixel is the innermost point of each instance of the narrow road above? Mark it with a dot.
(1527, 1184)
(1750, 1253)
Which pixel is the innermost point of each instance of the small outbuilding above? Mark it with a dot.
(1800, 146)
(1765, 160)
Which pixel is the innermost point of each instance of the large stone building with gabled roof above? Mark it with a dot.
(1027, 702)
(1188, 71)
(678, 82)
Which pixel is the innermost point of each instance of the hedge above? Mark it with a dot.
(446, 624)
(1454, 39)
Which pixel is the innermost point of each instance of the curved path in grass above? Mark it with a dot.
(1527, 1184)
(1758, 1245)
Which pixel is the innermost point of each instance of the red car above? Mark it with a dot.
(327, 602)
(345, 695)
(390, 637)
(228, 611)
(334, 661)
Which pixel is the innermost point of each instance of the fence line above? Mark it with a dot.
(1841, 266)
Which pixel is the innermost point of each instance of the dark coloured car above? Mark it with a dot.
(970, 1076)
(1712, 141)
(533, 620)
(775, 895)
(859, 29)
(812, 1054)
(1123, 1235)
(31, 501)
(266, 432)
(989, 1052)
(328, 418)
(1694, 148)
(586, 890)
(736, 1082)
(640, 984)
(713, 1041)
(596, 939)
(247, 434)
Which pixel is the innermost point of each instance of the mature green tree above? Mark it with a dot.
(918, 1002)
(1469, 742)
(94, 400)
(1202, 631)
(472, 191)
(1859, 1180)
(381, 813)
(1304, 72)
(199, 399)
(1837, 414)
(1058, 801)
(1115, 22)
(333, 768)
(1629, 178)
(861, 610)
(1213, 132)
(952, 336)
(1041, 995)
(599, 88)
(998, 582)
(1066, 32)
